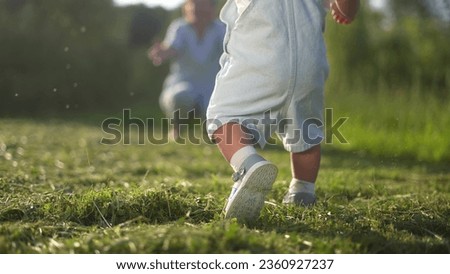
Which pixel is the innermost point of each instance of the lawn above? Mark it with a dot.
(61, 191)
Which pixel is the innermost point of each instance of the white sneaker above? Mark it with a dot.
(253, 181)
(300, 199)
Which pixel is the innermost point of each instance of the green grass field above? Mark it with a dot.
(387, 191)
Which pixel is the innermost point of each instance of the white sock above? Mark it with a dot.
(239, 157)
(301, 186)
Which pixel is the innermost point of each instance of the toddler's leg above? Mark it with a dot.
(253, 177)
(230, 138)
(305, 165)
(305, 168)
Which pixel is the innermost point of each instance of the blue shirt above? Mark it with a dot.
(197, 61)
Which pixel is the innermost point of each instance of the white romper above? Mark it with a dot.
(273, 71)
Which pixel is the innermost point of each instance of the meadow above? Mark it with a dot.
(386, 191)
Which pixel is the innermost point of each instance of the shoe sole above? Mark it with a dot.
(248, 200)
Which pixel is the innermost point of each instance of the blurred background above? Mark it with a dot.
(68, 65)
(390, 69)
(60, 56)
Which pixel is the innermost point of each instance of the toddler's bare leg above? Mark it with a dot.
(305, 165)
(253, 175)
(230, 138)
(305, 168)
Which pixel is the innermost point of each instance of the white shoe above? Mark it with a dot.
(253, 181)
(300, 199)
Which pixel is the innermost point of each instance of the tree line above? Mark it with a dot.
(82, 55)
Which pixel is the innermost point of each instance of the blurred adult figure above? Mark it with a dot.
(193, 44)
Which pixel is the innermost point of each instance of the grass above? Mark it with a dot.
(397, 124)
(63, 192)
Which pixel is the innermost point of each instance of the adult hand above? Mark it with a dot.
(156, 54)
